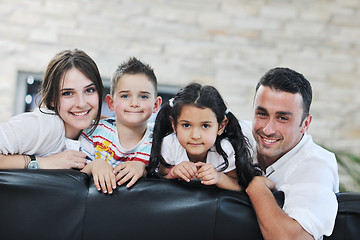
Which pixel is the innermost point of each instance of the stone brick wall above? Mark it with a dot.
(226, 43)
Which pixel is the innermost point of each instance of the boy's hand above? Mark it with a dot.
(104, 178)
(129, 170)
(185, 170)
(207, 173)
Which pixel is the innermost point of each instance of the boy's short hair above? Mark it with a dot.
(133, 66)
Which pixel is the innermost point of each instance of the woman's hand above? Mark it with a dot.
(64, 160)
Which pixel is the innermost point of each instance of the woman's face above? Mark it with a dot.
(78, 102)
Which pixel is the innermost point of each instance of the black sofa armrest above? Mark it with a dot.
(347, 223)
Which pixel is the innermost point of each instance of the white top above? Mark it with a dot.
(308, 176)
(35, 133)
(173, 153)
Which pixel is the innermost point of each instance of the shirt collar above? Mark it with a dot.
(286, 158)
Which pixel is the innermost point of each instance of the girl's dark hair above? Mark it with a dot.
(204, 97)
(58, 66)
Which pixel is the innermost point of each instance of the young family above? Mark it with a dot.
(195, 137)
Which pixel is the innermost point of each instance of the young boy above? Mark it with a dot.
(119, 148)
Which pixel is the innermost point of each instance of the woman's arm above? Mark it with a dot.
(64, 160)
(32, 133)
(16, 161)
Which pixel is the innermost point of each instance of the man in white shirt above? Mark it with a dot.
(291, 162)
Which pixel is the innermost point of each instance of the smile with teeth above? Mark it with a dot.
(80, 113)
(267, 140)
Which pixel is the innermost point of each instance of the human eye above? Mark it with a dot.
(144, 97)
(283, 118)
(261, 114)
(205, 125)
(90, 90)
(66, 93)
(125, 96)
(185, 125)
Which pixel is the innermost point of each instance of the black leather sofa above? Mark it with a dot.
(64, 204)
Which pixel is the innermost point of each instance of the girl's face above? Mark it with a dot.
(196, 130)
(78, 102)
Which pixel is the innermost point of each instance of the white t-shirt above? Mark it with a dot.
(35, 133)
(308, 176)
(173, 153)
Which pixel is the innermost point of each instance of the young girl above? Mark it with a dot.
(71, 98)
(197, 137)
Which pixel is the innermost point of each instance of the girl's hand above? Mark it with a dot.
(64, 160)
(185, 170)
(104, 178)
(129, 170)
(207, 173)
(209, 176)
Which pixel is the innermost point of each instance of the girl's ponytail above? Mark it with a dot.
(244, 168)
(162, 128)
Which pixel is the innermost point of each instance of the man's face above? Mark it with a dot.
(277, 125)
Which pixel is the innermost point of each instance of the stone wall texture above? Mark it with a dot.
(226, 43)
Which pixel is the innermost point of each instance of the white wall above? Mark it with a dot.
(225, 43)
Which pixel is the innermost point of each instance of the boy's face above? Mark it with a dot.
(134, 100)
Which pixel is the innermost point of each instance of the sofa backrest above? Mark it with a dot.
(64, 204)
(42, 204)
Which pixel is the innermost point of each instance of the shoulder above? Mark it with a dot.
(170, 140)
(150, 126)
(171, 150)
(170, 144)
(311, 164)
(227, 146)
(109, 123)
(312, 151)
(40, 121)
(105, 125)
(246, 128)
(35, 132)
(43, 115)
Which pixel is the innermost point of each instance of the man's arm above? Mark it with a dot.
(273, 221)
